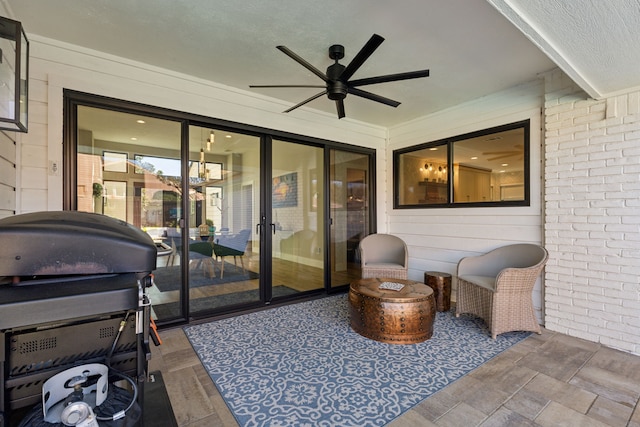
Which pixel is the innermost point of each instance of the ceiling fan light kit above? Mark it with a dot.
(337, 78)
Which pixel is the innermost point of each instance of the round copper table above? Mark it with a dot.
(402, 316)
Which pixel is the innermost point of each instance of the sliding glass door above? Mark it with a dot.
(130, 167)
(240, 218)
(297, 216)
(349, 204)
(223, 213)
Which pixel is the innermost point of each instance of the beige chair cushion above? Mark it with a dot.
(484, 281)
(383, 255)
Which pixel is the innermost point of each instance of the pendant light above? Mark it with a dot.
(211, 140)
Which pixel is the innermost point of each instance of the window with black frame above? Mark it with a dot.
(484, 168)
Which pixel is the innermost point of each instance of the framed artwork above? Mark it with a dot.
(114, 162)
(284, 190)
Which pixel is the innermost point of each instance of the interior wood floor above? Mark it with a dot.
(546, 380)
(297, 276)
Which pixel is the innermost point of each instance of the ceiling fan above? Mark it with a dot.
(499, 155)
(337, 83)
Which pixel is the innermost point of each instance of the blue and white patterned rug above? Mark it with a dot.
(302, 365)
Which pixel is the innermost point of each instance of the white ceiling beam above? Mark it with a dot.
(527, 25)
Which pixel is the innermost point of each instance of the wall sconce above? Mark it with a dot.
(14, 76)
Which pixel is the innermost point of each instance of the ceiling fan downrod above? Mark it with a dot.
(336, 88)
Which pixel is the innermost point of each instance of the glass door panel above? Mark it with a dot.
(223, 257)
(129, 167)
(350, 201)
(297, 200)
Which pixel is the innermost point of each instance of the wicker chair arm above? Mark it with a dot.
(518, 279)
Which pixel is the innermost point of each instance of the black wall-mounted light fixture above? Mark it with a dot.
(14, 76)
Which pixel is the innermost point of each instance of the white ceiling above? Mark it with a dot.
(472, 47)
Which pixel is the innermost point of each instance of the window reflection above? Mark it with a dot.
(489, 167)
(426, 173)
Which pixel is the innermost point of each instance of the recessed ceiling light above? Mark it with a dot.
(134, 138)
(227, 136)
(474, 158)
(433, 149)
(505, 164)
(140, 121)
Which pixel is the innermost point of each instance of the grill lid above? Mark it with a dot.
(56, 243)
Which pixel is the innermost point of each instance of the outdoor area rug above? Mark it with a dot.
(302, 365)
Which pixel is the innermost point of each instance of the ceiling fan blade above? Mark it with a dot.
(340, 108)
(263, 86)
(361, 57)
(302, 62)
(306, 101)
(373, 97)
(390, 78)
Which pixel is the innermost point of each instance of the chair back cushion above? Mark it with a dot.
(228, 245)
(202, 248)
(237, 242)
(521, 255)
(383, 248)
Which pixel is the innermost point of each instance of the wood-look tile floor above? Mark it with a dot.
(546, 380)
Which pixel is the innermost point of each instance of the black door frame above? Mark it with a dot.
(73, 99)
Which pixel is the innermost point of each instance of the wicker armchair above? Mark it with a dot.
(383, 255)
(497, 287)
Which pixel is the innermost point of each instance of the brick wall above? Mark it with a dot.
(592, 214)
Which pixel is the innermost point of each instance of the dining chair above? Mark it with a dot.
(231, 245)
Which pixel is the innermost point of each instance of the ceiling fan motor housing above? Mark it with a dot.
(336, 88)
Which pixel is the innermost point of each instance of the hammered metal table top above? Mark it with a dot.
(412, 290)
